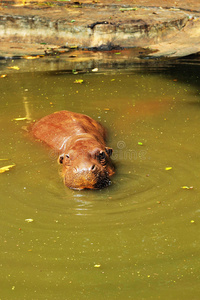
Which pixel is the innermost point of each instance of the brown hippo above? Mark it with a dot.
(80, 143)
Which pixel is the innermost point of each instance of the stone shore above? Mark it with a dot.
(34, 27)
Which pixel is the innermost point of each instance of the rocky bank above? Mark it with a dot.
(170, 29)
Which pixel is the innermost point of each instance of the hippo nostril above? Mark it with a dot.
(93, 167)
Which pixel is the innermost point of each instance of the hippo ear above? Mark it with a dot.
(60, 159)
(109, 151)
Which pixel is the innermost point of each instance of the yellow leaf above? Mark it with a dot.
(29, 220)
(168, 168)
(97, 266)
(78, 81)
(20, 119)
(14, 68)
(3, 158)
(185, 187)
(31, 57)
(6, 168)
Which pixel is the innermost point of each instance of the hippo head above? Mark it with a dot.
(87, 167)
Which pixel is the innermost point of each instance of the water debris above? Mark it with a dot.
(20, 119)
(185, 187)
(6, 168)
(3, 76)
(80, 81)
(74, 72)
(168, 168)
(29, 220)
(14, 68)
(97, 266)
(31, 57)
(95, 70)
(140, 143)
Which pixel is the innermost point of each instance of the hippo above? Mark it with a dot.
(80, 143)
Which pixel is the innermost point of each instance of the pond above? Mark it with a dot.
(136, 239)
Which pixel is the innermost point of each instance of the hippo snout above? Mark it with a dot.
(85, 167)
(87, 176)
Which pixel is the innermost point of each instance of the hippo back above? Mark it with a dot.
(56, 129)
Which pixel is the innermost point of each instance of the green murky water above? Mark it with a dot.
(137, 239)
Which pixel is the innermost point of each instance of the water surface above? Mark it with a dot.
(138, 238)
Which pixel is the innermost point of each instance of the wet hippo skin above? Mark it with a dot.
(80, 143)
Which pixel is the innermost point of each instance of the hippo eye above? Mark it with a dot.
(67, 155)
(102, 155)
(60, 159)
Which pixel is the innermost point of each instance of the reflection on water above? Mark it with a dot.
(136, 239)
(83, 206)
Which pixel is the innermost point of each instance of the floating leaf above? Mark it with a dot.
(185, 187)
(78, 81)
(97, 266)
(95, 70)
(14, 68)
(31, 57)
(72, 21)
(168, 168)
(140, 143)
(3, 158)
(192, 221)
(28, 220)
(6, 168)
(117, 53)
(20, 119)
(74, 72)
(3, 76)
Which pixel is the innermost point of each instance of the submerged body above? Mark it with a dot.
(80, 143)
